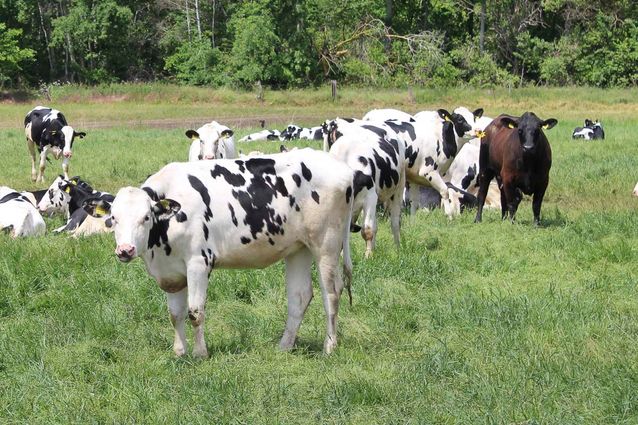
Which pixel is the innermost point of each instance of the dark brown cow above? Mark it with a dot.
(516, 152)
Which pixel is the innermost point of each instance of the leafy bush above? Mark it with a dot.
(195, 63)
(11, 55)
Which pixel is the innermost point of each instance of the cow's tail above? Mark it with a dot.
(347, 259)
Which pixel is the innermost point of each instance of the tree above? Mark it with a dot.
(12, 56)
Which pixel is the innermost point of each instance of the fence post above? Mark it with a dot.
(333, 85)
(260, 91)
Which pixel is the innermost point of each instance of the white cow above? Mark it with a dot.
(18, 215)
(190, 218)
(211, 141)
(377, 155)
(380, 115)
(262, 135)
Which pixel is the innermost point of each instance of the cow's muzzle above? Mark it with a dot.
(68, 154)
(125, 253)
(209, 156)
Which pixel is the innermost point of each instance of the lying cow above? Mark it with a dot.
(377, 157)
(18, 214)
(47, 129)
(592, 130)
(294, 132)
(262, 135)
(211, 141)
(516, 152)
(191, 218)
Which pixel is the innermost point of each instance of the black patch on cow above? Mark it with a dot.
(233, 217)
(388, 175)
(390, 150)
(241, 165)
(203, 192)
(270, 241)
(315, 196)
(449, 140)
(181, 217)
(151, 193)
(403, 127)
(297, 179)
(348, 194)
(410, 155)
(360, 181)
(429, 161)
(350, 120)
(108, 222)
(297, 208)
(280, 187)
(469, 177)
(376, 130)
(305, 172)
(231, 178)
(205, 229)
(158, 235)
(363, 160)
(244, 240)
(13, 196)
(438, 148)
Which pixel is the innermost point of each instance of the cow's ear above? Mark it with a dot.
(65, 186)
(165, 209)
(478, 113)
(97, 207)
(549, 123)
(192, 134)
(81, 134)
(227, 133)
(444, 114)
(509, 122)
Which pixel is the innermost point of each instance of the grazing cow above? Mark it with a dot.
(47, 128)
(191, 218)
(211, 141)
(377, 157)
(262, 135)
(516, 152)
(431, 145)
(380, 115)
(18, 214)
(293, 132)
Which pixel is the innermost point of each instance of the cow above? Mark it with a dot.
(377, 157)
(211, 141)
(431, 145)
(475, 118)
(592, 130)
(47, 129)
(294, 132)
(516, 152)
(18, 215)
(262, 135)
(191, 218)
(56, 200)
(380, 115)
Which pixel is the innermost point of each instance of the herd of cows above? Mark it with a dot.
(228, 210)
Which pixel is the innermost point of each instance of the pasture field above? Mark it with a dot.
(469, 323)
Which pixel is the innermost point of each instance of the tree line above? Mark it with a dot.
(297, 43)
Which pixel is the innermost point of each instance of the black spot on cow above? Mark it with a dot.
(181, 217)
(232, 215)
(429, 161)
(231, 178)
(151, 193)
(388, 175)
(291, 200)
(469, 177)
(297, 179)
(280, 187)
(449, 140)
(305, 172)
(348, 194)
(205, 229)
(390, 150)
(205, 257)
(244, 240)
(350, 120)
(315, 196)
(438, 148)
(363, 160)
(376, 130)
(158, 236)
(297, 208)
(403, 127)
(270, 241)
(241, 165)
(411, 155)
(203, 193)
(360, 181)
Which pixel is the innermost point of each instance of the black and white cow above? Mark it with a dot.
(211, 141)
(294, 132)
(592, 130)
(47, 129)
(262, 135)
(56, 200)
(191, 218)
(18, 214)
(376, 155)
(380, 115)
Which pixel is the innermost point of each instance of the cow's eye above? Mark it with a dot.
(147, 218)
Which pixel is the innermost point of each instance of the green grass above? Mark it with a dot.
(490, 323)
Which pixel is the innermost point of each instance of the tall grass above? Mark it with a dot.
(490, 323)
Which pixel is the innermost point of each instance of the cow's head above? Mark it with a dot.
(471, 117)
(133, 215)
(330, 130)
(291, 132)
(529, 127)
(209, 138)
(461, 127)
(62, 138)
(57, 197)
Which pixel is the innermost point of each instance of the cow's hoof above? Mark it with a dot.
(179, 351)
(329, 345)
(200, 353)
(286, 343)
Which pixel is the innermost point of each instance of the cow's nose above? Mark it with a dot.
(125, 252)
(68, 154)
(209, 157)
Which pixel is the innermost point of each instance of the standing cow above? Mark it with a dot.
(516, 152)
(47, 128)
(211, 141)
(190, 218)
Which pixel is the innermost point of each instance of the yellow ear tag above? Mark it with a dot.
(165, 204)
(545, 126)
(447, 119)
(480, 134)
(510, 125)
(100, 211)
(67, 189)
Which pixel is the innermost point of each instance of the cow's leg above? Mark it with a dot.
(485, 177)
(537, 201)
(331, 286)
(512, 198)
(197, 278)
(43, 160)
(299, 291)
(177, 307)
(369, 230)
(65, 167)
(439, 185)
(395, 212)
(413, 195)
(31, 147)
